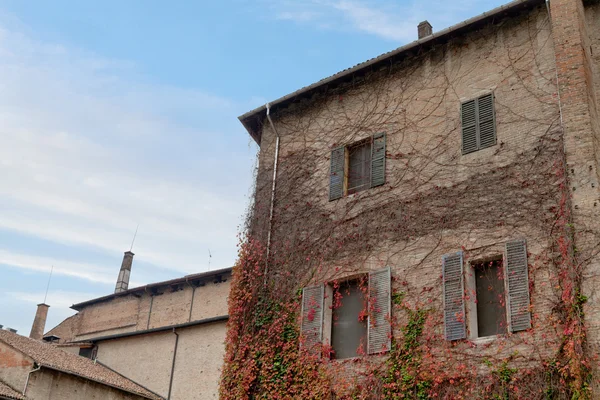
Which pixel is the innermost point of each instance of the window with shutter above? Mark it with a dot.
(490, 297)
(379, 328)
(357, 167)
(478, 120)
(312, 317)
(454, 306)
(348, 328)
(517, 277)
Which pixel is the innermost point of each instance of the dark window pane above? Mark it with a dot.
(86, 352)
(359, 167)
(347, 332)
(491, 302)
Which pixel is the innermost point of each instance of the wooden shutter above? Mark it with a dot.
(517, 277)
(486, 121)
(336, 174)
(454, 303)
(379, 329)
(469, 126)
(378, 160)
(313, 298)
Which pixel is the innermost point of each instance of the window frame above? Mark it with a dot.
(472, 318)
(329, 316)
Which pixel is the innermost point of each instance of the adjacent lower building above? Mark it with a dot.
(31, 369)
(167, 336)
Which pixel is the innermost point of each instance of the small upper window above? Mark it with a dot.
(357, 167)
(478, 123)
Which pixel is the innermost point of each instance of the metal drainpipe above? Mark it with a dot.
(173, 365)
(275, 163)
(27, 380)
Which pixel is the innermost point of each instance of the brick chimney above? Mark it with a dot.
(123, 281)
(425, 29)
(39, 322)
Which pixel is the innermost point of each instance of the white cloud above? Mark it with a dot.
(88, 151)
(391, 20)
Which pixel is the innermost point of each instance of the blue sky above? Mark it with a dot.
(119, 113)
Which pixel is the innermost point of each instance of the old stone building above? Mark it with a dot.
(427, 221)
(31, 369)
(166, 336)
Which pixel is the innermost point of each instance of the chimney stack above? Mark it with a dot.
(123, 281)
(425, 29)
(39, 322)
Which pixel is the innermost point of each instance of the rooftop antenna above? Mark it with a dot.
(134, 235)
(209, 257)
(48, 286)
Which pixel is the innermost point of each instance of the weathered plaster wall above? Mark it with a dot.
(147, 360)
(199, 360)
(48, 384)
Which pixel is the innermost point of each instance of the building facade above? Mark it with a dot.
(31, 369)
(167, 336)
(428, 219)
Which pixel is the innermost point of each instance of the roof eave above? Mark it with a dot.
(187, 278)
(258, 114)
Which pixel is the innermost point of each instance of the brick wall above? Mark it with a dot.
(168, 306)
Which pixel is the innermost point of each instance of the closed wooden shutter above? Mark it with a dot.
(469, 126)
(336, 174)
(454, 303)
(379, 328)
(378, 160)
(313, 298)
(486, 121)
(478, 120)
(517, 277)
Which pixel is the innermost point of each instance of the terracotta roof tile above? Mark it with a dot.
(52, 357)
(6, 392)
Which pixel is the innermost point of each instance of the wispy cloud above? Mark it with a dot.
(390, 20)
(88, 150)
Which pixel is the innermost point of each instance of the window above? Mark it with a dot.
(490, 297)
(357, 167)
(498, 294)
(344, 323)
(349, 325)
(478, 121)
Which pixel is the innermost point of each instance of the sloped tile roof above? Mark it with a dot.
(6, 392)
(52, 357)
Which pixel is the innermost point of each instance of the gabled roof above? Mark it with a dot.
(253, 120)
(6, 392)
(199, 278)
(49, 356)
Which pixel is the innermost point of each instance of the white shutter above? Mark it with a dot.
(313, 298)
(379, 330)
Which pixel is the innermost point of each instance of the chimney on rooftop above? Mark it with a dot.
(123, 281)
(425, 29)
(39, 322)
